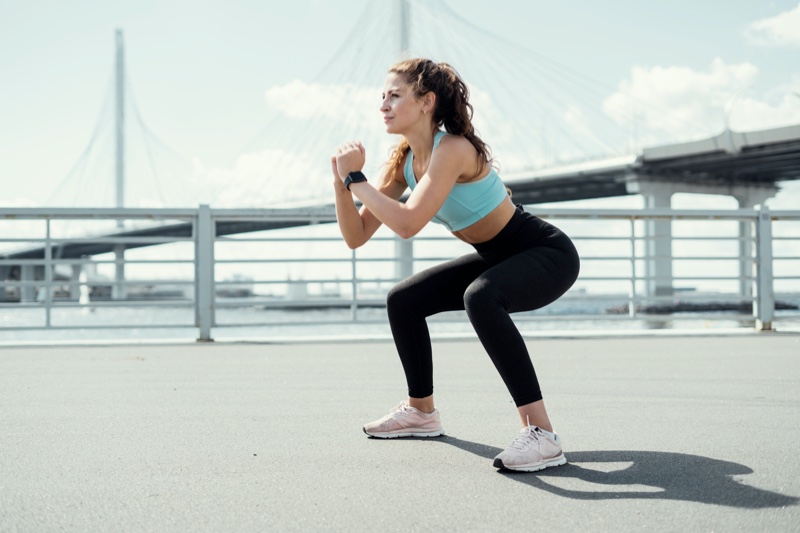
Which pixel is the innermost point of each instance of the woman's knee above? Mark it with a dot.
(400, 298)
(480, 295)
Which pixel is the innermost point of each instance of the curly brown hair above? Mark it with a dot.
(453, 112)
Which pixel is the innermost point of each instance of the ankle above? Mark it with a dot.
(424, 405)
(550, 433)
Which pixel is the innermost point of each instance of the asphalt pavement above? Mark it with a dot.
(662, 433)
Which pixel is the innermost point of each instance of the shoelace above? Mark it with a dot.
(526, 439)
(403, 409)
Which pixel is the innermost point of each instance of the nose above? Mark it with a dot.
(384, 105)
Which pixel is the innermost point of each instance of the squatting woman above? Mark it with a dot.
(520, 263)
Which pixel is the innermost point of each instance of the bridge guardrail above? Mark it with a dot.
(734, 259)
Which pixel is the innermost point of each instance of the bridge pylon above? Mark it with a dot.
(658, 193)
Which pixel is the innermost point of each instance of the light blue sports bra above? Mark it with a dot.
(467, 202)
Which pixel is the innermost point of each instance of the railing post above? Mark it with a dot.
(764, 305)
(48, 276)
(204, 273)
(632, 295)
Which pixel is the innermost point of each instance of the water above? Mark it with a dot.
(255, 322)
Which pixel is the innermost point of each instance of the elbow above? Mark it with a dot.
(410, 223)
(408, 231)
(406, 234)
(353, 243)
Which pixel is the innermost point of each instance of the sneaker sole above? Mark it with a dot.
(437, 433)
(498, 463)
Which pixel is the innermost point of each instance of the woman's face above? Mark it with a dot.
(400, 107)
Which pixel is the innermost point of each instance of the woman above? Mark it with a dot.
(520, 262)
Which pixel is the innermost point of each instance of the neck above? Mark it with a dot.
(421, 142)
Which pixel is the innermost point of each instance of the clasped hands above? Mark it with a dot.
(348, 157)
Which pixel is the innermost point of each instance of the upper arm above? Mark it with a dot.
(454, 157)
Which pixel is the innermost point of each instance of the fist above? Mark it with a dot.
(349, 157)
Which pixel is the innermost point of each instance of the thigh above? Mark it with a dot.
(440, 288)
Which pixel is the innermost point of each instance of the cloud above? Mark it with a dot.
(267, 178)
(291, 164)
(345, 102)
(677, 103)
(780, 30)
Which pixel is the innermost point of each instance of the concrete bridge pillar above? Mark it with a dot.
(118, 290)
(658, 240)
(404, 258)
(27, 293)
(75, 282)
(4, 272)
(748, 197)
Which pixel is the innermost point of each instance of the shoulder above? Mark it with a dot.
(456, 154)
(456, 145)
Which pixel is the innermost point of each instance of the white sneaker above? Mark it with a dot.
(406, 421)
(532, 450)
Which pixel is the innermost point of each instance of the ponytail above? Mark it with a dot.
(453, 112)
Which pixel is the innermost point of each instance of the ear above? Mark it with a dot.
(429, 101)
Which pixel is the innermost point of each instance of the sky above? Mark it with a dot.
(223, 88)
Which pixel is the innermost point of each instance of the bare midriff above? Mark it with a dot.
(489, 226)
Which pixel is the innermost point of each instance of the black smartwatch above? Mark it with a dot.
(354, 177)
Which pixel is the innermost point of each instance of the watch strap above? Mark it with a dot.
(354, 177)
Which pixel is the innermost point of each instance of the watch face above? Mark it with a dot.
(354, 177)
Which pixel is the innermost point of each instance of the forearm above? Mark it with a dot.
(389, 211)
(349, 219)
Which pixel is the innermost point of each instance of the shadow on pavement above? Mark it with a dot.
(642, 475)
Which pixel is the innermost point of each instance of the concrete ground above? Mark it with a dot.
(663, 433)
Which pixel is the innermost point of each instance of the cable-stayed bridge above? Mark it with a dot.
(556, 134)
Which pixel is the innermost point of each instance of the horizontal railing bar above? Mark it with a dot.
(122, 240)
(689, 297)
(310, 303)
(650, 214)
(97, 212)
(285, 239)
(100, 303)
(104, 283)
(292, 260)
(328, 281)
(97, 326)
(126, 262)
(41, 262)
(674, 258)
(783, 215)
(281, 323)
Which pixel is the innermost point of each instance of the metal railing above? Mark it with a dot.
(735, 263)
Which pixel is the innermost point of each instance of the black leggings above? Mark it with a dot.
(528, 265)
